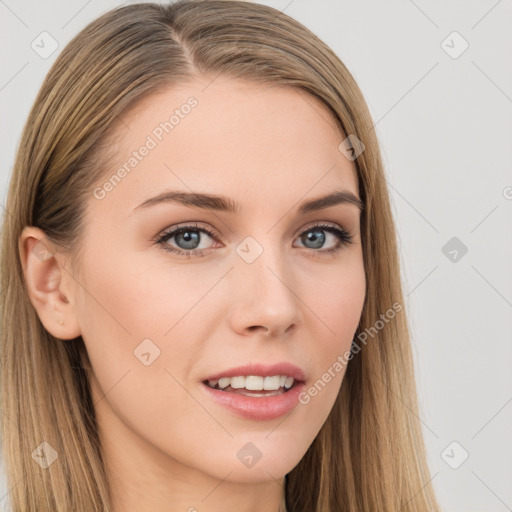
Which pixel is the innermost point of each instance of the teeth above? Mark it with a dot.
(254, 382)
(272, 383)
(237, 382)
(224, 382)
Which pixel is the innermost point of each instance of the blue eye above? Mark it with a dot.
(188, 238)
(316, 236)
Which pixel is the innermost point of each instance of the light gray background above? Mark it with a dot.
(445, 128)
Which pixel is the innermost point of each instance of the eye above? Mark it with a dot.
(314, 237)
(188, 239)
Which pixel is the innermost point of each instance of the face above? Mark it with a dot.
(172, 293)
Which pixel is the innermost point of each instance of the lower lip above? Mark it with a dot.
(257, 408)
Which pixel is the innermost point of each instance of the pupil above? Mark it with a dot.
(318, 238)
(190, 238)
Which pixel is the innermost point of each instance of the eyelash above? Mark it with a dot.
(344, 238)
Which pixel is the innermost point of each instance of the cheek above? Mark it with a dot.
(125, 304)
(125, 310)
(131, 297)
(336, 309)
(144, 324)
(335, 299)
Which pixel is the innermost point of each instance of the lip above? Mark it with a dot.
(257, 408)
(262, 370)
(264, 407)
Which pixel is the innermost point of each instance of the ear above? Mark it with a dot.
(48, 283)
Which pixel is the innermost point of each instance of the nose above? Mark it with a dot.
(264, 295)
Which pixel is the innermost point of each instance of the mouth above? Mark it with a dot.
(254, 385)
(256, 391)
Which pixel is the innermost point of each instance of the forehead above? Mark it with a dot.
(249, 141)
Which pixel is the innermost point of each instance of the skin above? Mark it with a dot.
(168, 446)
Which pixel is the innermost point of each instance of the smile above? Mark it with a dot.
(250, 385)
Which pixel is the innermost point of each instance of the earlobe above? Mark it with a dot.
(46, 279)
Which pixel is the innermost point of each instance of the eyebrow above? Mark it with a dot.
(225, 204)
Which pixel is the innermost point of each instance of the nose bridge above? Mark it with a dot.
(265, 296)
(262, 260)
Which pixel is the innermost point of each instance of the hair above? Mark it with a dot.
(370, 453)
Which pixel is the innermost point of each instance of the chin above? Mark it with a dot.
(255, 461)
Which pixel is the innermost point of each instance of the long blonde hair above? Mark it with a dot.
(369, 455)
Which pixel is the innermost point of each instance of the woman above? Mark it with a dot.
(202, 305)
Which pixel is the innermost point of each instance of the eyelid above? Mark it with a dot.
(320, 223)
(184, 225)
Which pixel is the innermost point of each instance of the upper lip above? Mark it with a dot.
(262, 370)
